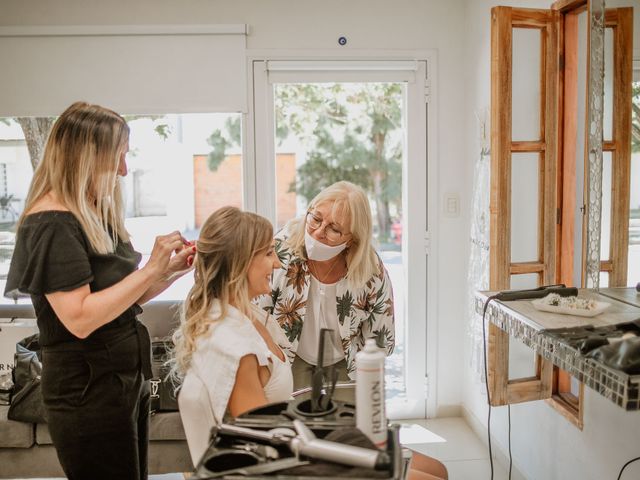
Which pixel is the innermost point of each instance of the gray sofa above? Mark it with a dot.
(26, 449)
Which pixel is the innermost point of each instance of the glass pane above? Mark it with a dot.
(181, 168)
(326, 132)
(605, 225)
(15, 176)
(607, 126)
(604, 279)
(524, 281)
(575, 387)
(196, 157)
(522, 360)
(633, 275)
(524, 207)
(525, 84)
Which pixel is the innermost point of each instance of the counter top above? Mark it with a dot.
(523, 322)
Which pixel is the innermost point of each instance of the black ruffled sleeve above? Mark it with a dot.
(51, 255)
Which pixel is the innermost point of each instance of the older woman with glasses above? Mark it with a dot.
(331, 277)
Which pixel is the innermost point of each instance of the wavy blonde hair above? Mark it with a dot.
(80, 166)
(229, 240)
(350, 201)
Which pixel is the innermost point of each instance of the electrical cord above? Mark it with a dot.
(486, 378)
(625, 466)
(510, 456)
(486, 383)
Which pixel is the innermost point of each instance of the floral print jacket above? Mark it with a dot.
(363, 313)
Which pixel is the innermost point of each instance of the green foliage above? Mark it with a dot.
(163, 130)
(220, 140)
(352, 132)
(219, 146)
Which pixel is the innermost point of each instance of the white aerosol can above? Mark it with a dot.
(371, 418)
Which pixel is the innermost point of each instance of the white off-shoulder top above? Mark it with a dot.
(207, 386)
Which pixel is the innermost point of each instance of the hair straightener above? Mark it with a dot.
(540, 292)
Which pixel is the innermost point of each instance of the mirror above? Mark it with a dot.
(599, 239)
(614, 182)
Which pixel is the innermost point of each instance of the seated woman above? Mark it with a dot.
(331, 277)
(226, 349)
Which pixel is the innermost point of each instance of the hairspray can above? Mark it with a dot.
(370, 411)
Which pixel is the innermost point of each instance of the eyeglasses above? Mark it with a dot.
(330, 231)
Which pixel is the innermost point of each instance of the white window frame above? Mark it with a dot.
(419, 245)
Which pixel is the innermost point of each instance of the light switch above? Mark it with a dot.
(451, 204)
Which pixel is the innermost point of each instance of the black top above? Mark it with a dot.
(53, 254)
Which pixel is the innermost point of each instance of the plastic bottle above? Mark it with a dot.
(371, 418)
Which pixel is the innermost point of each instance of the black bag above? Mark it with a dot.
(6, 388)
(26, 401)
(163, 389)
(623, 355)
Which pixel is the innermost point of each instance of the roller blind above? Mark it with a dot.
(131, 69)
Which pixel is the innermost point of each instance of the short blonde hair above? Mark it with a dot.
(228, 242)
(350, 201)
(80, 161)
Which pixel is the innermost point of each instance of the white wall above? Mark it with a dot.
(544, 445)
(314, 27)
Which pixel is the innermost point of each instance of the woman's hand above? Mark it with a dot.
(181, 262)
(169, 252)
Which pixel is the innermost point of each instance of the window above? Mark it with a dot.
(182, 167)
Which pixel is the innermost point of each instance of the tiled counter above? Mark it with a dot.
(523, 322)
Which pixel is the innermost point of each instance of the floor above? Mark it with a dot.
(452, 441)
(448, 439)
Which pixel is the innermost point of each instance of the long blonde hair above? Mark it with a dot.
(229, 240)
(350, 201)
(80, 165)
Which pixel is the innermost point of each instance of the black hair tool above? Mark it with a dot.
(304, 443)
(540, 292)
(317, 375)
(321, 399)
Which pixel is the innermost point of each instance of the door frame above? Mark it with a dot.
(421, 214)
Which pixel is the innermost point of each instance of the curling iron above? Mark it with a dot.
(304, 443)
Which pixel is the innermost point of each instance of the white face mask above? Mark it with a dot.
(319, 251)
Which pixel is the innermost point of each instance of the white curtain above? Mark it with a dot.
(478, 278)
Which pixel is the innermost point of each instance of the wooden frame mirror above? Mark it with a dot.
(561, 155)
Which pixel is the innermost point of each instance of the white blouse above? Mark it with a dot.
(207, 386)
(321, 313)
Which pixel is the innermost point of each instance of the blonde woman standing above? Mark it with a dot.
(331, 277)
(226, 348)
(74, 257)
